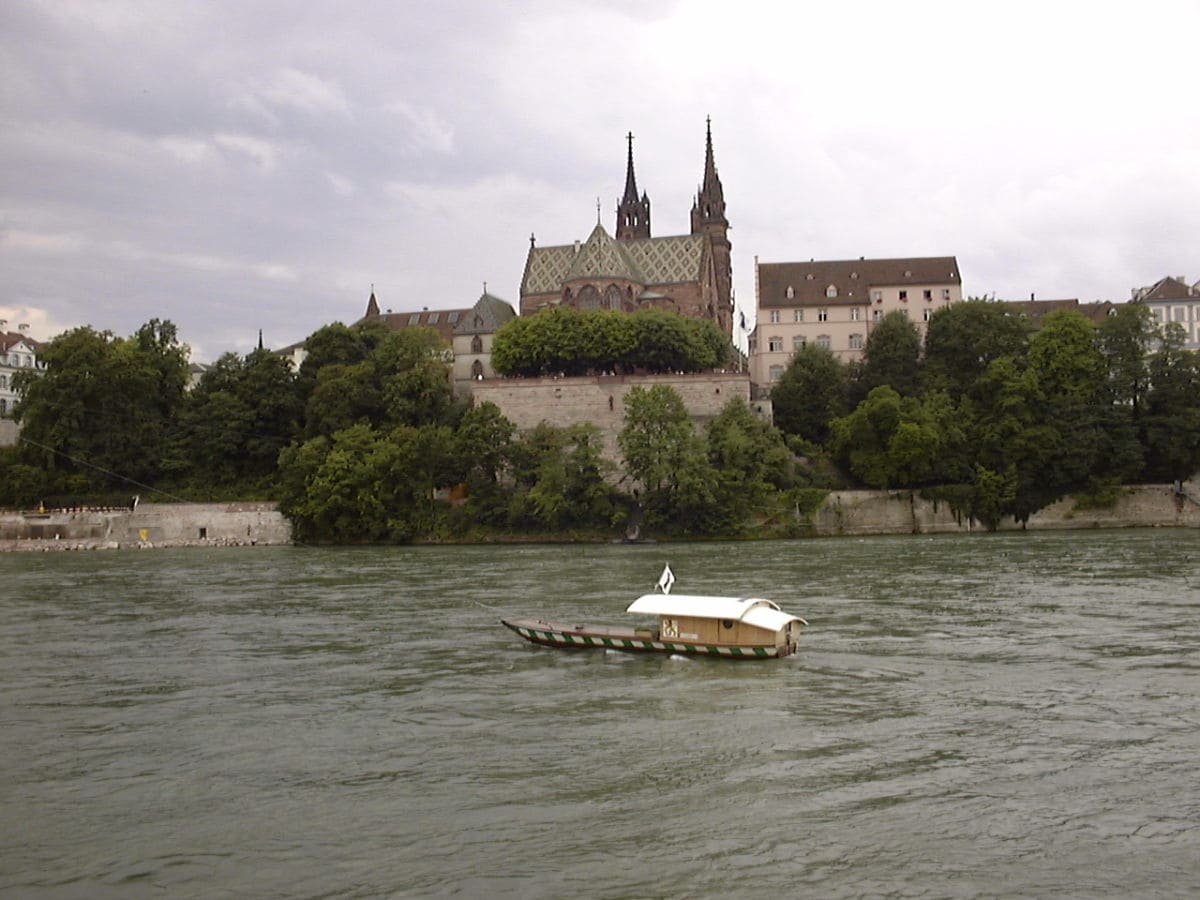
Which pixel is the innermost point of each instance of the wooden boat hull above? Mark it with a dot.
(578, 637)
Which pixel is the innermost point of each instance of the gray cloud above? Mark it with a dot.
(237, 166)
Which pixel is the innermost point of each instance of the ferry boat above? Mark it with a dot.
(689, 624)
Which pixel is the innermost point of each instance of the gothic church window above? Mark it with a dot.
(589, 298)
(477, 370)
(477, 344)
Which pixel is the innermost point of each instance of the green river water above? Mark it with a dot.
(1011, 715)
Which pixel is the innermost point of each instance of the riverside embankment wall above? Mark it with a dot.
(905, 512)
(150, 525)
(842, 513)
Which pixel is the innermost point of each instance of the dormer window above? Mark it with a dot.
(791, 292)
(831, 291)
(808, 277)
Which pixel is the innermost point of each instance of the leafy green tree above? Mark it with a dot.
(413, 366)
(336, 345)
(1126, 339)
(377, 377)
(1171, 422)
(891, 356)
(232, 427)
(810, 393)
(963, 339)
(750, 460)
(343, 395)
(103, 406)
(663, 454)
(892, 441)
(360, 485)
(574, 342)
(571, 489)
(1094, 443)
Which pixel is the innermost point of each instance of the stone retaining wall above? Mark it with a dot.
(150, 525)
(905, 512)
(600, 400)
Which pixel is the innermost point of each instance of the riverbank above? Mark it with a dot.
(148, 526)
(842, 513)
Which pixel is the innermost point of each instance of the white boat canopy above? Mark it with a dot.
(753, 611)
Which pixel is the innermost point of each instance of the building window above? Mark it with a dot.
(855, 313)
(878, 314)
(776, 372)
(775, 344)
(452, 318)
(791, 292)
(774, 317)
(946, 294)
(433, 318)
(823, 341)
(927, 294)
(856, 342)
(904, 296)
(877, 296)
(822, 315)
(928, 312)
(477, 344)
(798, 343)
(414, 319)
(477, 370)
(797, 315)
(3, 381)
(831, 291)
(3, 406)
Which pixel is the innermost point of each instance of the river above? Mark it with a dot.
(980, 715)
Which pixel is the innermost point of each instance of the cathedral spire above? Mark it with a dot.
(710, 199)
(631, 194)
(708, 217)
(633, 214)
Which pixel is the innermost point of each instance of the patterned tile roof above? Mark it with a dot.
(600, 256)
(647, 261)
(669, 260)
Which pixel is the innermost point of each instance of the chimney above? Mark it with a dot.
(23, 328)
(1031, 296)
(3, 325)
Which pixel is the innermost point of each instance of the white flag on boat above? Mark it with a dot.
(666, 579)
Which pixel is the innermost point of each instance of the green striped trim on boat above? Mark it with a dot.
(583, 640)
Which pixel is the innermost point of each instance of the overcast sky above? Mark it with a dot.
(233, 166)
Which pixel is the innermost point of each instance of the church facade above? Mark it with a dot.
(630, 270)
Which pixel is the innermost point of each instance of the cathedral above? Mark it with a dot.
(629, 270)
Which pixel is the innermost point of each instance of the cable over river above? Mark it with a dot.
(986, 715)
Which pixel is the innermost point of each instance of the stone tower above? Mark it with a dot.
(708, 217)
(633, 215)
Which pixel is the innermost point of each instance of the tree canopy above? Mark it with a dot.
(568, 341)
